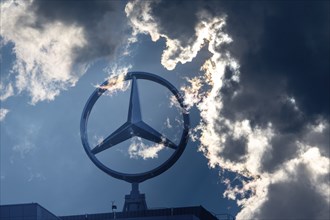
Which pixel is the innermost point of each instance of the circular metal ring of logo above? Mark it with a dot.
(134, 127)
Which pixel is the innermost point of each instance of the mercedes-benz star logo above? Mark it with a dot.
(134, 126)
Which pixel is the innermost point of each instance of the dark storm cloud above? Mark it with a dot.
(177, 19)
(290, 57)
(234, 149)
(284, 147)
(283, 51)
(83, 11)
(282, 47)
(321, 140)
(295, 199)
(103, 27)
(285, 54)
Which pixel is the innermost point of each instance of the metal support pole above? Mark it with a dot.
(135, 201)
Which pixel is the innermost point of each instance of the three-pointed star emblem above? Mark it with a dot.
(134, 126)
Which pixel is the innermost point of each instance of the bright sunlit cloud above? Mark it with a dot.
(138, 149)
(44, 58)
(3, 113)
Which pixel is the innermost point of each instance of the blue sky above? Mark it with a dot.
(254, 75)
